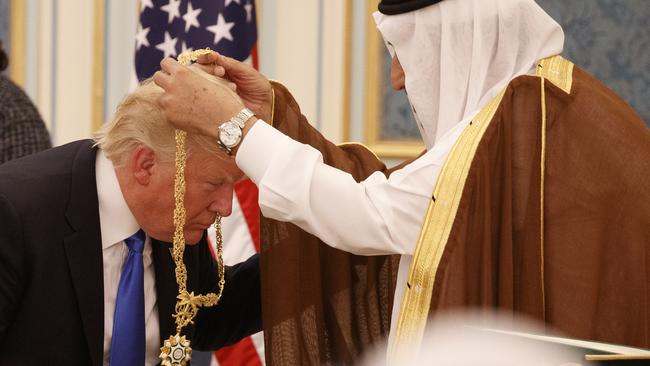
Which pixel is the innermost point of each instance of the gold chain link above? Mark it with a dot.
(187, 303)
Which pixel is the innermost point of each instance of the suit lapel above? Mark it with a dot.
(84, 249)
(166, 287)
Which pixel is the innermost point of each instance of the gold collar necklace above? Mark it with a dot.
(176, 349)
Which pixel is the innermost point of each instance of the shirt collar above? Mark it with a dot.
(115, 218)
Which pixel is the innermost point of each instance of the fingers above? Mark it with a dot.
(222, 64)
(215, 70)
(205, 68)
(162, 79)
(231, 65)
(208, 58)
(170, 66)
(227, 62)
(219, 71)
(169, 69)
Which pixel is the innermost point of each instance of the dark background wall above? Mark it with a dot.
(608, 38)
(611, 40)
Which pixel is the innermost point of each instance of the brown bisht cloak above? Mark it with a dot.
(574, 254)
(321, 305)
(542, 209)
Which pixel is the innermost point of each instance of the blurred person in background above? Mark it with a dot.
(22, 131)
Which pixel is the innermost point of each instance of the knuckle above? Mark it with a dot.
(183, 72)
(164, 101)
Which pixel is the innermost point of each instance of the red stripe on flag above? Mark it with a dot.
(256, 64)
(241, 353)
(246, 192)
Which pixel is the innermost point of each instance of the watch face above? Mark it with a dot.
(229, 134)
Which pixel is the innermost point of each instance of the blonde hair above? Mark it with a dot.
(139, 120)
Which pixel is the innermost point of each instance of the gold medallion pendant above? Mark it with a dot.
(176, 350)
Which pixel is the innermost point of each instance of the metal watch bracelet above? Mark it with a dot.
(231, 131)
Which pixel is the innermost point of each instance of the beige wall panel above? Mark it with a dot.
(296, 51)
(45, 59)
(73, 73)
(333, 53)
(18, 30)
(121, 24)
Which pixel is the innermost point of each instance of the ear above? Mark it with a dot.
(143, 161)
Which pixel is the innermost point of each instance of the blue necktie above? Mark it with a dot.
(128, 342)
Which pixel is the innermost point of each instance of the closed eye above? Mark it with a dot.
(214, 184)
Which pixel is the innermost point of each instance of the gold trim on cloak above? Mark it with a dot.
(441, 214)
(558, 71)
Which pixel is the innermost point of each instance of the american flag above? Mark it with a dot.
(167, 28)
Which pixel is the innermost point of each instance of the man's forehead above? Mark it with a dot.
(211, 165)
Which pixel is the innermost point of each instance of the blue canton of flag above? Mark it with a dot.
(169, 27)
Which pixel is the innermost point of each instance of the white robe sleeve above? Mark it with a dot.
(377, 216)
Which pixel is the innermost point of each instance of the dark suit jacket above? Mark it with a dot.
(51, 274)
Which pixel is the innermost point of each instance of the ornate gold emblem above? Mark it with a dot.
(176, 350)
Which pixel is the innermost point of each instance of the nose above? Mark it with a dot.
(221, 203)
(396, 74)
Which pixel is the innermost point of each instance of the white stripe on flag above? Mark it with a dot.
(237, 241)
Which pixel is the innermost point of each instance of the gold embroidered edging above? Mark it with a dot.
(441, 214)
(272, 105)
(610, 357)
(273, 99)
(558, 71)
(542, 165)
(435, 233)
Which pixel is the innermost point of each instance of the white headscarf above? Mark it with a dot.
(458, 54)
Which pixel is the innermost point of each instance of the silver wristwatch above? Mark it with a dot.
(230, 132)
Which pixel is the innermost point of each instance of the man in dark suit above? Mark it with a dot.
(65, 214)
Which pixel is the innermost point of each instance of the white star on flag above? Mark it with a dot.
(221, 30)
(249, 11)
(184, 47)
(145, 4)
(168, 46)
(230, 1)
(141, 37)
(191, 17)
(172, 9)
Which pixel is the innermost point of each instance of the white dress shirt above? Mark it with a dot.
(375, 217)
(118, 223)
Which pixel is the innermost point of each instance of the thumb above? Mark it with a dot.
(232, 66)
(207, 58)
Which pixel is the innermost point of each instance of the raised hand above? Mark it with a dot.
(192, 102)
(253, 87)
